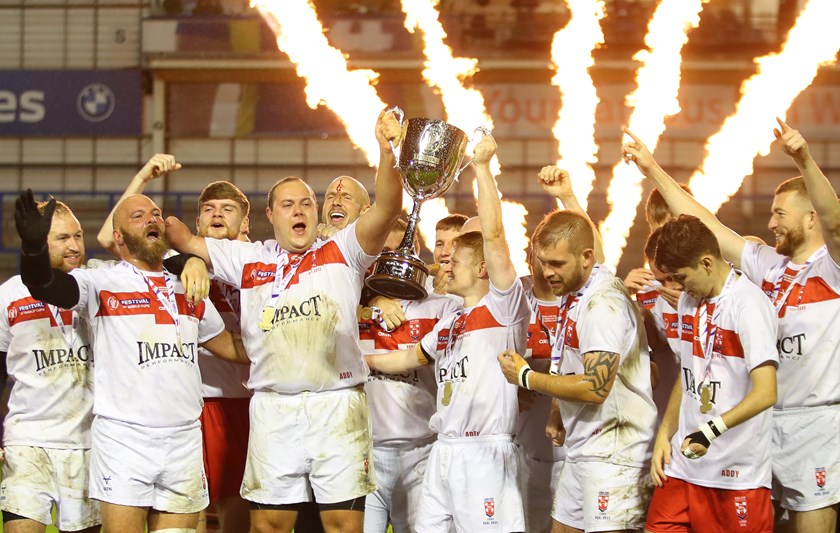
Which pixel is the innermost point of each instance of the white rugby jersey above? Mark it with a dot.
(219, 378)
(473, 397)
(534, 407)
(807, 302)
(146, 372)
(602, 318)
(313, 341)
(647, 296)
(742, 327)
(52, 394)
(402, 404)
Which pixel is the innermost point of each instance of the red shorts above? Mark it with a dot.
(680, 506)
(224, 427)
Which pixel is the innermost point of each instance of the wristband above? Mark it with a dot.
(523, 376)
(713, 429)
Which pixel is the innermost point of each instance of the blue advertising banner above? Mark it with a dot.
(44, 103)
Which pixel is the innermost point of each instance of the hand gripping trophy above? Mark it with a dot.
(429, 160)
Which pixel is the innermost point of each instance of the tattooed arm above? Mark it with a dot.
(593, 386)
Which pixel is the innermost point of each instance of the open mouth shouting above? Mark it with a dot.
(337, 217)
(154, 234)
(299, 229)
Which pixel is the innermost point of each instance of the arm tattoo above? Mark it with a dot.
(600, 369)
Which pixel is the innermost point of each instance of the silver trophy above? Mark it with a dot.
(429, 160)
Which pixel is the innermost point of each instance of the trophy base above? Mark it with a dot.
(399, 275)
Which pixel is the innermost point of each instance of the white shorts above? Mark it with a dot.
(806, 457)
(538, 495)
(473, 483)
(36, 478)
(595, 496)
(161, 468)
(318, 441)
(399, 474)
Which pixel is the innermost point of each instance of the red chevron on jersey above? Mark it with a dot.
(140, 303)
(410, 332)
(28, 308)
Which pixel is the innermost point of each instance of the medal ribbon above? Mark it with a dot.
(283, 259)
(71, 340)
(782, 291)
(168, 302)
(709, 331)
(563, 313)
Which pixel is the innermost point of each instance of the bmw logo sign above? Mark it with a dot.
(96, 102)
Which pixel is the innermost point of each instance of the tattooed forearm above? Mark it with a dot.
(600, 369)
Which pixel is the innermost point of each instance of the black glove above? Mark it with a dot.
(698, 438)
(32, 226)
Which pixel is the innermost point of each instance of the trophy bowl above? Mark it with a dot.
(430, 159)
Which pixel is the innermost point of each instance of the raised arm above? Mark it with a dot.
(375, 224)
(496, 252)
(679, 201)
(156, 167)
(822, 194)
(557, 182)
(593, 386)
(45, 283)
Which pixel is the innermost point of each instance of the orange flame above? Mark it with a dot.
(464, 107)
(571, 56)
(655, 98)
(811, 43)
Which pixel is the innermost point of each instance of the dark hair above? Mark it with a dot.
(565, 226)
(455, 221)
(283, 181)
(651, 244)
(657, 211)
(225, 190)
(682, 242)
(796, 185)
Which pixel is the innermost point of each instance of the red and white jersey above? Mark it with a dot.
(647, 296)
(312, 343)
(473, 397)
(601, 317)
(807, 302)
(146, 372)
(402, 404)
(740, 325)
(52, 368)
(219, 378)
(533, 406)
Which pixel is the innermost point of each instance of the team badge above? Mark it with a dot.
(603, 501)
(819, 473)
(489, 507)
(13, 313)
(414, 330)
(741, 509)
(113, 303)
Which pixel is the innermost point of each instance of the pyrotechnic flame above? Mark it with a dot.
(655, 98)
(464, 106)
(812, 42)
(350, 94)
(571, 56)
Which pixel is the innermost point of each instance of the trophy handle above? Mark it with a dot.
(486, 131)
(400, 118)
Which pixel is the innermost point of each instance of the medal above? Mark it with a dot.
(705, 399)
(367, 313)
(447, 393)
(266, 318)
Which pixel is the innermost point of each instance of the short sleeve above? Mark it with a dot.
(352, 251)
(758, 259)
(757, 326)
(211, 323)
(509, 307)
(229, 258)
(604, 326)
(5, 327)
(87, 291)
(429, 343)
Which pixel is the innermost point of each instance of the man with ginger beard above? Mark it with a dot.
(49, 415)
(146, 460)
(299, 298)
(802, 279)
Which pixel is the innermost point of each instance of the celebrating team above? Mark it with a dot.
(495, 403)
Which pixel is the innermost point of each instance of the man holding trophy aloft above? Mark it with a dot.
(472, 474)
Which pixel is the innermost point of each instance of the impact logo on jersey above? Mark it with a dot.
(741, 510)
(603, 501)
(819, 473)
